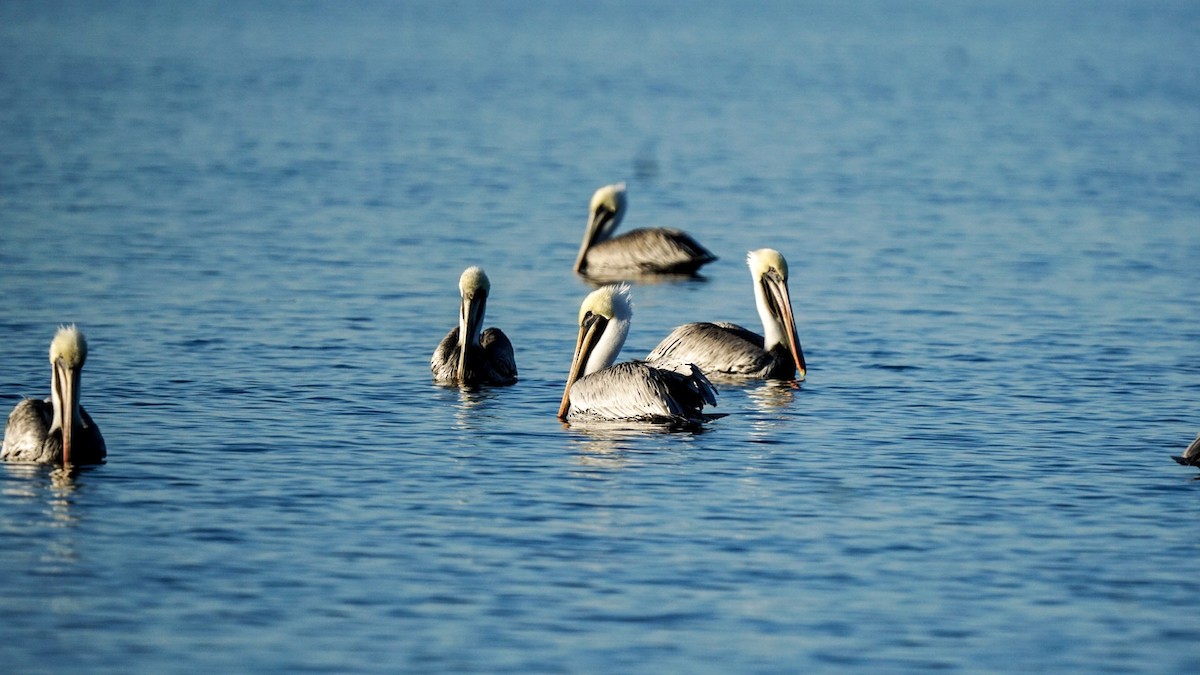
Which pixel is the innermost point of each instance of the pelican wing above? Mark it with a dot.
(498, 353)
(689, 385)
(716, 348)
(28, 438)
(648, 251)
(28, 428)
(490, 363)
(636, 391)
(444, 363)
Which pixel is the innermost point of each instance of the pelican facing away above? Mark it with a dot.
(728, 350)
(469, 354)
(57, 429)
(598, 390)
(637, 252)
(1191, 456)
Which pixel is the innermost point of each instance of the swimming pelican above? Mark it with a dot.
(728, 350)
(1191, 456)
(57, 429)
(468, 354)
(598, 390)
(637, 252)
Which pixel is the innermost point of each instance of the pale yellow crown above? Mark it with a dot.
(473, 278)
(610, 302)
(765, 259)
(69, 345)
(612, 196)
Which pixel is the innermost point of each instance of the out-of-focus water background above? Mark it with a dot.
(258, 213)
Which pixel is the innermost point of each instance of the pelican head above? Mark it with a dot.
(603, 324)
(474, 286)
(604, 215)
(770, 273)
(68, 351)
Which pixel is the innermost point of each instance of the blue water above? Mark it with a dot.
(258, 213)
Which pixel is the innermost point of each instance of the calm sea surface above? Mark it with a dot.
(258, 212)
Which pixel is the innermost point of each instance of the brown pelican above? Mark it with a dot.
(637, 252)
(57, 429)
(598, 390)
(728, 350)
(468, 354)
(1191, 456)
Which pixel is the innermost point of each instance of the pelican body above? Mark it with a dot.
(730, 351)
(469, 354)
(58, 429)
(637, 252)
(598, 390)
(1191, 456)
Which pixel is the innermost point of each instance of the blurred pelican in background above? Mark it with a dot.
(646, 251)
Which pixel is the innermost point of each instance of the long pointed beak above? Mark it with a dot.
(589, 333)
(583, 249)
(470, 317)
(778, 291)
(66, 381)
(597, 221)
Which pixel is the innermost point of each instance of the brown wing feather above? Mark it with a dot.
(498, 353)
(636, 391)
(27, 437)
(718, 349)
(444, 363)
(490, 363)
(648, 251)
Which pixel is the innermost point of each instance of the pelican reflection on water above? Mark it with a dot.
(644, 251)
(469, 354)
(58, 429)
(728, 350)
(598, 390)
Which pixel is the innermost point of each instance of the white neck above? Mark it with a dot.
(774, 332)
(608, 347)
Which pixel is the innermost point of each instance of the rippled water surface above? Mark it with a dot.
(258, 213)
